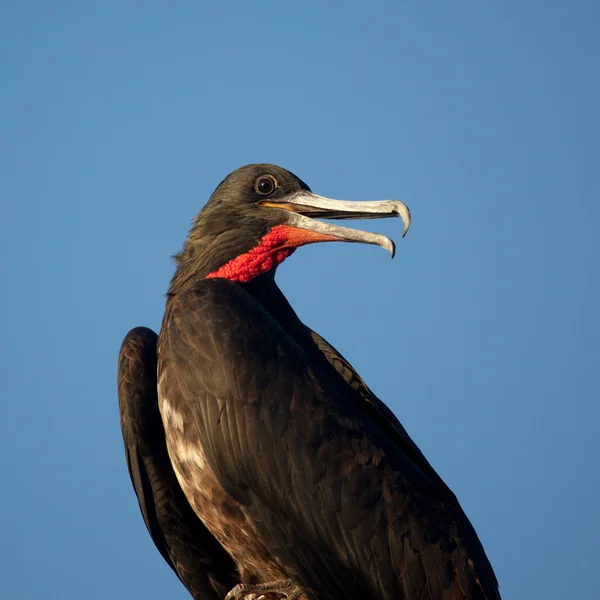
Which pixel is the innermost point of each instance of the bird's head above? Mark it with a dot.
(259, 215)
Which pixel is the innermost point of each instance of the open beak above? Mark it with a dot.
(305, 207)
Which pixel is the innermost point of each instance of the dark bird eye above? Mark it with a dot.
(265, 185)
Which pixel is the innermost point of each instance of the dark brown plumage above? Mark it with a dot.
(295, 468)
(201, 564)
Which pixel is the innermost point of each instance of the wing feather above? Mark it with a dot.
(187, 546)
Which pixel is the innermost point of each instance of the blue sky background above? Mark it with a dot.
(117, 121)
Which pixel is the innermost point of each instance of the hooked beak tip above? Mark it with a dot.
(404, 213)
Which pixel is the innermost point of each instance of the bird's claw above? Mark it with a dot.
(285, 588)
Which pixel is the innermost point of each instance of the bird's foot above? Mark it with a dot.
(285, 588)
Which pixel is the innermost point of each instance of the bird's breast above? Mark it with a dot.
(222, 515)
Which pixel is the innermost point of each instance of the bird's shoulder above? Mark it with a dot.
(374, 408)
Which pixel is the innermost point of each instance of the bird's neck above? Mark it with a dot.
(217, 261)
(197, 262)
(272, 249)
(265, 291)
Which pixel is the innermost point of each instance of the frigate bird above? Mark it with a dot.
(272, 469)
